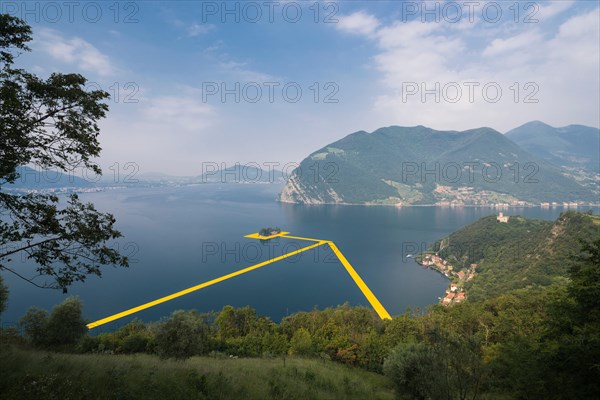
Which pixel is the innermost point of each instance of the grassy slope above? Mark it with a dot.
(29, 374)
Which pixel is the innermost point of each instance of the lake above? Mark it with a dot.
(178, 237)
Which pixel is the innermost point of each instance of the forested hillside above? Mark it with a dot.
(517, 254)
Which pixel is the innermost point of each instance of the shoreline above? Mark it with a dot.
(442, 206)
(455, 292)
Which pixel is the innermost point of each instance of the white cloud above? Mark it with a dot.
(579, 26)
(240, 71)
(358, 23)
(416, 51)
(555, 64)
(192, 29)
(551, 8)
(74, 51)
(197, 29)
(169, 132)
(522, 41)
(185, 113)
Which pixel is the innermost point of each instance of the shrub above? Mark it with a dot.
(34, 324)
(66, 326)
(182, 335)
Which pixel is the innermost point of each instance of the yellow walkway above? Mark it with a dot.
(379, 309)
(377, 306)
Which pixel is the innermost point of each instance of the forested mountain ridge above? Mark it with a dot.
(517, 254)
(575, 146)
(418, 165)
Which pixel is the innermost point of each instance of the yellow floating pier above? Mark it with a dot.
(379, 309)
(377, 306)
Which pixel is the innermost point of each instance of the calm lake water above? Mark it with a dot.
(178, 237)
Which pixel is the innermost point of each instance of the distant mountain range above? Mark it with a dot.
(418, 165)
(574, 146)
(30, 178)
(241, 173)
(238, 173)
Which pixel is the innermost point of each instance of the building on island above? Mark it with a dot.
(502, 218)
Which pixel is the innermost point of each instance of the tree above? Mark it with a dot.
(585, 280)
(49, 123)
(235, 322)
(3, 295)
(446, 364)
(301, 343)
(275, 343)
(66, 325)
(182, 335)
(573, 342)
(409, 366)
(34, 324)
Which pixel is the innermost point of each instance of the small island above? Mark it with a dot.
(266, 232)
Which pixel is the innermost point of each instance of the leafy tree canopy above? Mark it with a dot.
(50, 124)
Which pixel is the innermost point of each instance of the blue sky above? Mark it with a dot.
(360, 66)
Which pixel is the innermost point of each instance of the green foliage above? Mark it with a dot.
(3, 295)
(235, 322)
(49, 123)
(34, 324)
(66, 324)
(410, 367)
(446, 361)
(572, 346)
(543, 336)
(340, 333)
(585, 280)
(518, 254)
(182, 335)
(14, 36)
(403, 328)
(301, 343)
(276, 344)
(62, 329)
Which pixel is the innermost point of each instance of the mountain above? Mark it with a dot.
(241, 173)
(517, 254)
(574, 146)
(419, 165)
(154, 176)
(30, 178)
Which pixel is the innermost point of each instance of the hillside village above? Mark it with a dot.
(449, 196)
(456, 290)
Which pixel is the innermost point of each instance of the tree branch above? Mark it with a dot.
(28, 247)
(45, 286)
(48, 115)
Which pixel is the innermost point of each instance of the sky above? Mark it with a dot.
(194, 83)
